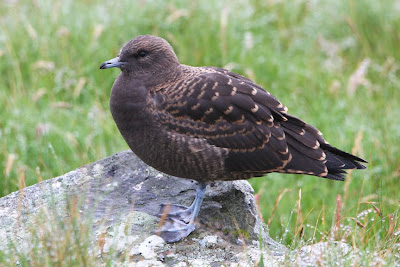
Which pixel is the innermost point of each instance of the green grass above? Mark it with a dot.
(54, 99)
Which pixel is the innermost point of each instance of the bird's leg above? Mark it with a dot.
(180, 222)
(184, 213)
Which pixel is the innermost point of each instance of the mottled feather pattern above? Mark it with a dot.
(232, 112)
(229, 112)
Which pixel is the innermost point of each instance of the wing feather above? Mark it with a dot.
(229, 112)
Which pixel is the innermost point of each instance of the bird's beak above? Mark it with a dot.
(112, 63)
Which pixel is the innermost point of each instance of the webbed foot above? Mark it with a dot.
(179, 222)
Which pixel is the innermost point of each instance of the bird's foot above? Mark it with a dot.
(174, 230)
(176, 212)
(177, 221)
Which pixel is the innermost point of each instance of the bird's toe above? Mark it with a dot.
(176, 231)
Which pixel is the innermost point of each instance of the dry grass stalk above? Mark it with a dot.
(163, 217)
(278, 199)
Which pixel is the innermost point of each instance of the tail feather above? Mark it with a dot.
(350, 161)
(305, 157)
(337, 161)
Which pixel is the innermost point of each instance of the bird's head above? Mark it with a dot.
(144, 56)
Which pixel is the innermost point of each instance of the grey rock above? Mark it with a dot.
(210, 241)
(148, 247)
(119, 199)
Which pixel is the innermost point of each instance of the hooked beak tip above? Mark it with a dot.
(112, 63)
(103, 65)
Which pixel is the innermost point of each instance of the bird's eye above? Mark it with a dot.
(142, 53)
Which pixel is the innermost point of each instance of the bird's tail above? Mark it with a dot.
(337, 161)
(312, 155)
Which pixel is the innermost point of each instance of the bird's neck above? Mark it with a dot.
(130, 99)
(128, 103)
(155, 78)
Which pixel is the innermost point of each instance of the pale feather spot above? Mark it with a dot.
(200, 96)
(220, 118)
(284, 152)
(254, 91)
(215, 96)
(214, 86)
(254, 110)
(316, 146)
(234, 90)
(228, 110)
(241, 120)
(285, 162)
(325, 173)
(251, 149)
(203, 87)
(195, 106)
(280, 138)
(290, 157)
(261, 147)
(208, 111)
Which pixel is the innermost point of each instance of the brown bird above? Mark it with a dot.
(208, 124)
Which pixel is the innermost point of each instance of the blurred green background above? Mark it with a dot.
(335, 64)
